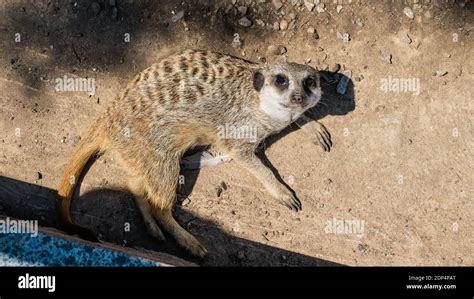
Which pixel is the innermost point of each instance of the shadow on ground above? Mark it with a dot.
(113, 215)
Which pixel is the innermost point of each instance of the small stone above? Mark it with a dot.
(276, 26)
(245, 22)
(186, 202)
(292, 24)
(338, 8)
(281, 50)
(359, 22)
(408, 12)
(335, 67)
(276, 50)
(243, 10)
(386, 57)
(178, 16)
(95, 7)
(241, 255)
(311, 30)
(283, 24)
(292, 16)
(405, 38)
(441, 73)
(38, 176)
(309, 5)
(295, 2)
(344, 36)
(320, 8)
(363, 248)
(428, 14)
(277, 3)
(260, 23)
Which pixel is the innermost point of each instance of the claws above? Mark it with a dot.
(291, 202)
(322, 136)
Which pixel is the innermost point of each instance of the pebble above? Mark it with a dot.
(292, 24)
(405, 38)
(408, 12)
(344, 36)
(338, 8)
(313, 32)
(178, 16)
(186, 202)
(278, 4)
(335, 67)
(441, 73)
(283, 24)
(320, 8)
(276, 26)
(245, 22)
(38, 176)
(260, 23)
(95, 7)
(363, 247)
(386, 57)
(428, 14)
(243, 10)
(309, 5)
(277, 50)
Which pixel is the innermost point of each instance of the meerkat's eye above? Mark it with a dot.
(309, 82)
(281, 81)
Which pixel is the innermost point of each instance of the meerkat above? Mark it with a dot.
(179, 103)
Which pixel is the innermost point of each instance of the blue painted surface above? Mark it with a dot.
(45, 250)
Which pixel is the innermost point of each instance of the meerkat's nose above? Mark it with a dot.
(296, 100)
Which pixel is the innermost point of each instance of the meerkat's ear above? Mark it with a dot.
(258, 80)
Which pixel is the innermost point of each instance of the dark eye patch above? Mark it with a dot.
(281, 81)
(309, 82)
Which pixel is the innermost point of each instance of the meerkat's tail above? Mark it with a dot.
(90, 145)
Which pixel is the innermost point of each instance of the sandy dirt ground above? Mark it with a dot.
(396, 189)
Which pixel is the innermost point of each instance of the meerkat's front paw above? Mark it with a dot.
(320, 135)
(289, 200)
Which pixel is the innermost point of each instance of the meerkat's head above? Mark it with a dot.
(287, 90)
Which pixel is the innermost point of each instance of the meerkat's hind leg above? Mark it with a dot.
(161, 185)
(316, 131)
(139, 193)
(184, 238)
